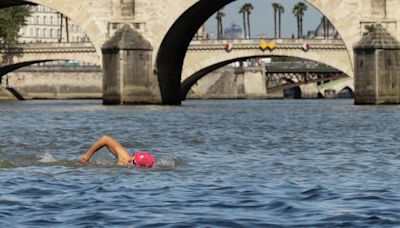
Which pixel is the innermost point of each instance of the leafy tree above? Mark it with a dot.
(281, 10)
(298, 12)
(278, 10)
(275, 6)
(370, 28)
(245, 10)
(220, 28)
(325, 25)
(12, 19)
(249, 8)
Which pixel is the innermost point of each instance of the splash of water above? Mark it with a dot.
(170, 162)
(47, 157)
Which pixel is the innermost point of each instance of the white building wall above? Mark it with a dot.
(44, 25)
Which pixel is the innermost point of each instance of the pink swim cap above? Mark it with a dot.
(144, 159)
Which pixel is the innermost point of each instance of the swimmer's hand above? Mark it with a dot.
(84, 160)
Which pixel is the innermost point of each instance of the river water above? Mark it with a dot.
(226, 163)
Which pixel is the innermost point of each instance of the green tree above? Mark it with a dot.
(370, 28)
(249, 9)
(220, 28)
(278, 10)
(298, 12)
(327, 27)
(245, 10)
(275, 6)
(281, 10)
(12, 19)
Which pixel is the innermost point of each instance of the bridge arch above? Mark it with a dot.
(81, 12)
(338, 85)
(15, 66)
(328, 52)
(201, 69)
(346, 92)
(28, 54)
(172, 51)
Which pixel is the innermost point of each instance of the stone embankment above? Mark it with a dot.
(56, 82)
(86, 83)
(230, 83)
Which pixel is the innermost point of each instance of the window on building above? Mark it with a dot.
(45, 20)
(52, 20)
(37, 20)
(37, 32)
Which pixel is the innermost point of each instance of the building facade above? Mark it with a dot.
(234, 31)
(47, 25)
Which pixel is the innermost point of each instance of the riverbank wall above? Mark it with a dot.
(63, 82)
(231, 83)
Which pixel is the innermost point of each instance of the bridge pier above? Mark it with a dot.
(128, 77)
(377, 69)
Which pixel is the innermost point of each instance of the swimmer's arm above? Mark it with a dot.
(113, 146)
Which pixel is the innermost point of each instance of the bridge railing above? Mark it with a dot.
(53, 45)
(49, 47)
(280, 43)
(284, 40)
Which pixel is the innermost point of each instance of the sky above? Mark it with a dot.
(262, 17)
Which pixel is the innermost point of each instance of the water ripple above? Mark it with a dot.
(219, 164)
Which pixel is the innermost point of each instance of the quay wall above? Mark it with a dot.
(230, 83)
(56, 82)
(86, 83)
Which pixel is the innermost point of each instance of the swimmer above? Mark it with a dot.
(139, 159)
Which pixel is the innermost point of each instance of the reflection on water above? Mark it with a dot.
(219, 163)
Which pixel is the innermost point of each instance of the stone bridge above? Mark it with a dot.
(169, 26)
(337, 85)
(204, 56)
(26, 54)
